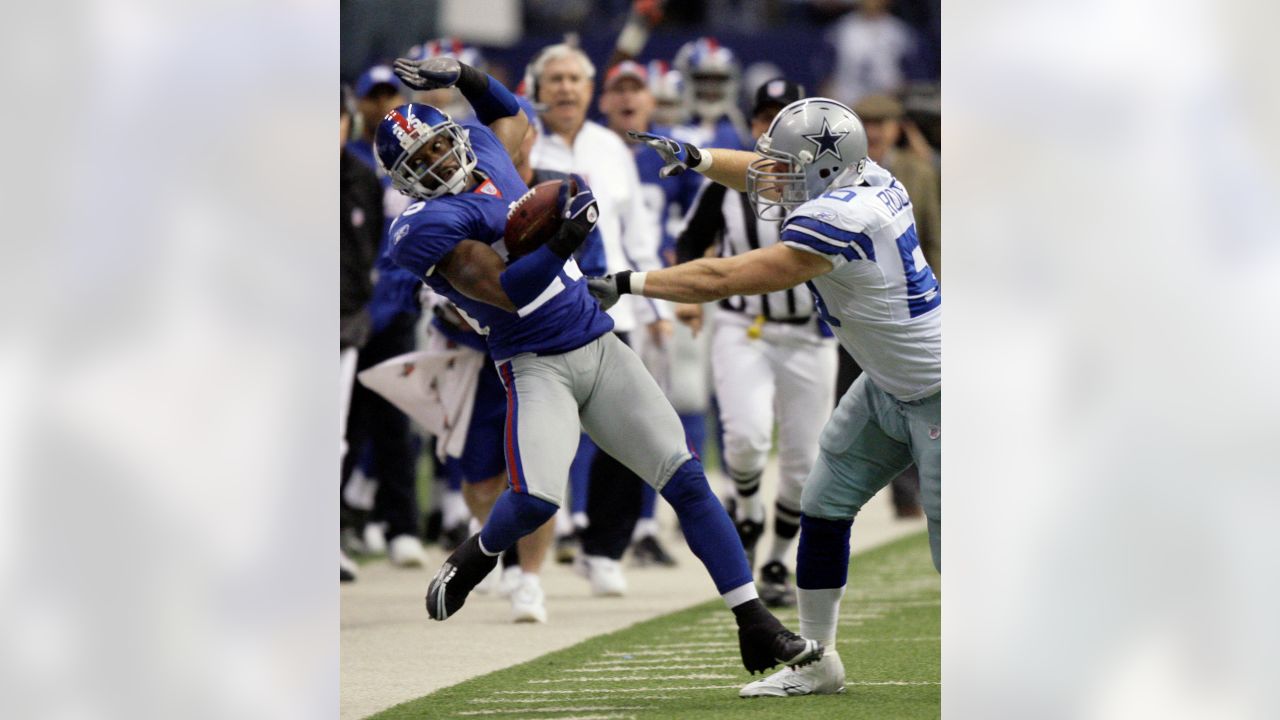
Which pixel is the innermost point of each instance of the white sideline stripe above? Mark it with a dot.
(621, 678)
(675, 657)
(615, 667)
(915, 639)
(712, 644)
(895, 683)
(688, 651)
(615, 690)
(552, 710)
(576, 698)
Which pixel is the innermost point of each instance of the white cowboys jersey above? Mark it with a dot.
(881, 298)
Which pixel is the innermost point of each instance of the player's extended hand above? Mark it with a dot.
(577, 204)
(605, 290)
(677, 156)
(430, 74)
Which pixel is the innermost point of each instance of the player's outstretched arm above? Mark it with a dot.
(494, 104)
(727, 167)
(766, 270)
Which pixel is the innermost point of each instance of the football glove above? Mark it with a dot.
(677, 156)
(608, 289)
(430, 74)
(578, 209)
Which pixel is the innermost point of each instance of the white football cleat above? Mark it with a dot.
(374, 538)
(527, 601)
(509, 582)
(822, 677)
(406, 551)
(605, 575)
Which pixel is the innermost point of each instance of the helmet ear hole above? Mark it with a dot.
(823, 173)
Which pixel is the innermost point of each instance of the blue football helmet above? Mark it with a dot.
(409, 128)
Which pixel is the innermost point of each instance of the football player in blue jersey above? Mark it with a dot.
(848, 232)
(711, 75)
(551, 344)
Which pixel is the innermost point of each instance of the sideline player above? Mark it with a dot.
(551, 344)
(771, 358)
(849, 234)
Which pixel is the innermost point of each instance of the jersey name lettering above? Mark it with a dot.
(894, 198)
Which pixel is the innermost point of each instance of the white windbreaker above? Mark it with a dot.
(629, 230)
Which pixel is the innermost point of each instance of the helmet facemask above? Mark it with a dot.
(775, 191)
(425, 181)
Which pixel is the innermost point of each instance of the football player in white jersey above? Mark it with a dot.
(848, 233)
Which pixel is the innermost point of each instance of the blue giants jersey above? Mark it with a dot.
(563, 318)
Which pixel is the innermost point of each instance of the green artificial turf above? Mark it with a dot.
(686, 665)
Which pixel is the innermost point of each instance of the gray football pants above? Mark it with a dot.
(602, 387)
(871, 438)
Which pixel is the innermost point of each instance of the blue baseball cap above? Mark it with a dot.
(375, 76)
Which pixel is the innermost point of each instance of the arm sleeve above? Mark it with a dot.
(526, 279)
(704, 223)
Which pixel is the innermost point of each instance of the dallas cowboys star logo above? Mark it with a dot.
(826, 141)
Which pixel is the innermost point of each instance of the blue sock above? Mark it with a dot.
(580, 474)
(707, 527)
(822, 561)
(513, 516)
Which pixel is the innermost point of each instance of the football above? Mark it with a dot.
(532, 220)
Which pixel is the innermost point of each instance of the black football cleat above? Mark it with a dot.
(648, 551)
(764, 642)
(457, 577)
(775, 585)
(749, 532)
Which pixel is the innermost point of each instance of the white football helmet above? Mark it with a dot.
(813, 144)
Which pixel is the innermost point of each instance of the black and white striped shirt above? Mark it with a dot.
(724, 217)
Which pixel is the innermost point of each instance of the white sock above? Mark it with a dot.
(820, 613)
(453, 509)
(475, 526)
(750, 507)
(644, 528)
(564, 524)
(740, 594)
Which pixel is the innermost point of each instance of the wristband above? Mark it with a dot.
(637, 283)
(624, 282)
(490, 99)
(704, 162)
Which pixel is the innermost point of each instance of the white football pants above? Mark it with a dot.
(788, 374)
